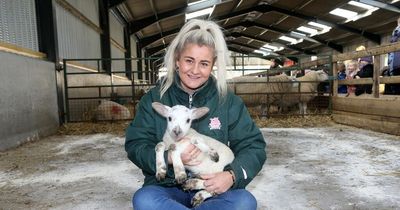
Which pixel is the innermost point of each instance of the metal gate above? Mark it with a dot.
(91, 94)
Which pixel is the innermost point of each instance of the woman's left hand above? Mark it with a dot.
(217, 183)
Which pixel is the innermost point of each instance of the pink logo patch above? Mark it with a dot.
(214, 123)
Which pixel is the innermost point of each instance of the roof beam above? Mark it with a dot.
(332, 45)
(236, 34)
(370, 36)
(267, 8)
(154, 50)
(113, 3)
(150, 39)
(138, 25)
(380, 5)
(271, 53)
(234, 49)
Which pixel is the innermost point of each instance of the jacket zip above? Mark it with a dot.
(190, 100)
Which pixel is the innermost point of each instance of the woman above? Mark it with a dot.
(190, 58)
(352, 69)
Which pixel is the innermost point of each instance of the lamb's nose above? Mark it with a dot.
(177, 131)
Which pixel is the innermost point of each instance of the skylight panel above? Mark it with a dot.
(196, 2)
(361, 5)
(319, 25)
(311, 31)
(272, 47)
(261, 52)
(199, 13)
(290, 39)
(343, 13)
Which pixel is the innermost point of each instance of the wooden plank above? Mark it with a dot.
(388, 107)
(117, 45)
(372, 51)
(390, 125)
(361, 81)
(7, 47)
(375, 85)
(71, 9)
(335, 81)
(389, 80)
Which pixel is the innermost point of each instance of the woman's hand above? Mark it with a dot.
(189, 155)
(218, 183)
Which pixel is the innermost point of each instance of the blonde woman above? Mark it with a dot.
(190, 58)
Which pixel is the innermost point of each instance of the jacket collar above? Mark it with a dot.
(200, 96)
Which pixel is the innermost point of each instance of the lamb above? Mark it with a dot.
(214, 156)
(303, 92)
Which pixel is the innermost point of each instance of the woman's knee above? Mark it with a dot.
(144, 198)
(245, 200)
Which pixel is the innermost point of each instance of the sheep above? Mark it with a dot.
(301, 93)
(275, 87)
(268, 89)
(109, 110)
(214, 156)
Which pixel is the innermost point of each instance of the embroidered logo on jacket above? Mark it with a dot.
(214, 123)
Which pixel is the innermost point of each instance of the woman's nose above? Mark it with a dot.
(195, 68)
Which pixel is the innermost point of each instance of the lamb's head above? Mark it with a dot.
(179, 118)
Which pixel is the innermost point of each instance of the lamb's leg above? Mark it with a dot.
(301, 108)
(200, 197)
(193, 184)
(179, 169)
(205, 148)
(161, 168)
(305, 107)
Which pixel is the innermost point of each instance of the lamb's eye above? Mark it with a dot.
(169, 118)
(188, 120)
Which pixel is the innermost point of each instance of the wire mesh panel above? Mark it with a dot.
(18, 23)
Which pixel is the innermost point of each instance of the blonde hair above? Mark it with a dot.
(351, 63)
(202, 33)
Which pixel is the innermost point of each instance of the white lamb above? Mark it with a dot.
(214, 157)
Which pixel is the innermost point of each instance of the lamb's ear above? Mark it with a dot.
(161, 108)
(199, 112)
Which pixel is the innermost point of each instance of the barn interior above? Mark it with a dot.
(72, 73)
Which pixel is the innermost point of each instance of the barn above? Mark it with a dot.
(73, 72)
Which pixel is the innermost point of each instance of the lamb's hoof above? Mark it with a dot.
(197, 200)
(160, 176)
(214, 156)
(161, 173)
(189, 184)
(180, 179)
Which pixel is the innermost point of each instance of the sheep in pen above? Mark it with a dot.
(278, 91)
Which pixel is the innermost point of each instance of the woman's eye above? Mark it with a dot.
(204, 64)
(189, 61)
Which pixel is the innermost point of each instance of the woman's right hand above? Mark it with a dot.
(190, 154)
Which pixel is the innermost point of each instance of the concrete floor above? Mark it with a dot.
(335, 167)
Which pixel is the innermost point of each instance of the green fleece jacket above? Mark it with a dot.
(227, 121)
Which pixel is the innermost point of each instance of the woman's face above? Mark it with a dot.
(351, 67)
(195, 65)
